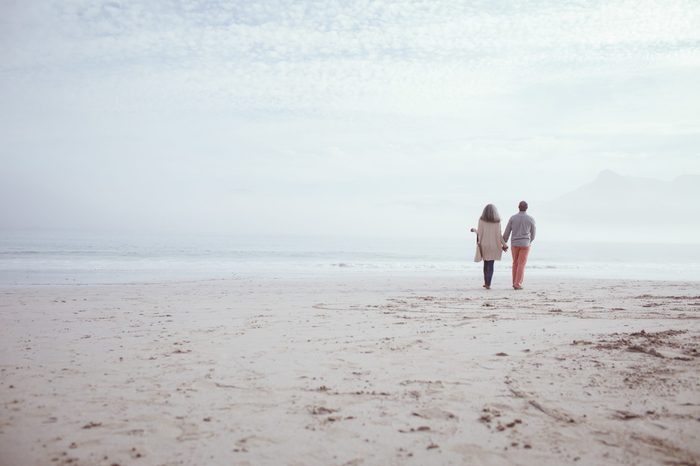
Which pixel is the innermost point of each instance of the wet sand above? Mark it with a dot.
(350, 370)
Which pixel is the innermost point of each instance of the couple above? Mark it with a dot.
(490, 243)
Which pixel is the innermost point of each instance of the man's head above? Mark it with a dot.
(522, 206)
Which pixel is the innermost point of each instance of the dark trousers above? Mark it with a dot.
(488, 272)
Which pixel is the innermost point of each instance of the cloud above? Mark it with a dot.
(347, 105)
(416, 57)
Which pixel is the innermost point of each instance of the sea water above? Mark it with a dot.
(50, 258)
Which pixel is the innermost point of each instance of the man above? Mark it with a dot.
(523, 228)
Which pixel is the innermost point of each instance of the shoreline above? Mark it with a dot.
(350, 369)
(471, 276)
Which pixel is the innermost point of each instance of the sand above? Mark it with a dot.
(350, 370)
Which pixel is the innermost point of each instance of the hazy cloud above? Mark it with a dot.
(299, 115)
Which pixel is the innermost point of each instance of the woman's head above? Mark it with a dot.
(490, 214)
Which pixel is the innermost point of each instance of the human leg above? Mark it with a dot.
(488, 272)
(515, 251)
(522, 260)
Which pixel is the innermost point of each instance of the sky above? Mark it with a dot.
(386, 118)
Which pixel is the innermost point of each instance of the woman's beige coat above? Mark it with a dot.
(490, 237)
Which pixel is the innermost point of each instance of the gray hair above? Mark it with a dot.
(490, 214)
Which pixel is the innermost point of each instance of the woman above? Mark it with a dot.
(489, 241)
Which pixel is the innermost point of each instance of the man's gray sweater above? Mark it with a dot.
(523, 228)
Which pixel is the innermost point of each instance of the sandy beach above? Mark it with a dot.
(350, 370)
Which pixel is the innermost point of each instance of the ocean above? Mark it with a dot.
(80, 258)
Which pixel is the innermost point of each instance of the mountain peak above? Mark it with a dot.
(608, 175)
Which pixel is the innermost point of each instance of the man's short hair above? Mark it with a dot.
(522, 206)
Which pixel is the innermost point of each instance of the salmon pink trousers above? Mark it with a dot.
(520, 254)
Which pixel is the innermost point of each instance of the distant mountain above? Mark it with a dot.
(620, 200)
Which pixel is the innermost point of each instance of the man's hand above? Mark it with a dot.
(505, 248)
